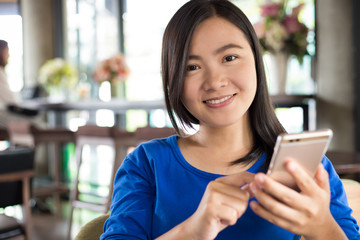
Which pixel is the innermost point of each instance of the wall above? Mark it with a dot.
(334, 71)
(38, 37)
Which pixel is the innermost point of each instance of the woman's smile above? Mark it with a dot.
(220, 102)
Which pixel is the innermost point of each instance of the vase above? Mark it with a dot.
(280, 65)
(56, 94)
(117, 89)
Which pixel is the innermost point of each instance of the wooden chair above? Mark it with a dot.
(92, 135)
(16, 170)
(26, 134)
(148, 133)
(93, 229)
(121, 141)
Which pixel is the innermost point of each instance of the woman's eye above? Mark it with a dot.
(229, 58)
(192, 68)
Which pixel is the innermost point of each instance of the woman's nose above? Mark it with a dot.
(214, 80)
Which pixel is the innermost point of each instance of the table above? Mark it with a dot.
(120, 106)
(116, 105)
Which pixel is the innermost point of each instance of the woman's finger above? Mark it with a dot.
(238, 179)
(322, 178)
(229, 194)
(271, 217)
(227, 215)
(273, 205)
(303, 180)
(278, 191)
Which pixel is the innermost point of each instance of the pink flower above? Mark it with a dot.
(279, 31)
(112, 69)
(270, 10)
(292, 24)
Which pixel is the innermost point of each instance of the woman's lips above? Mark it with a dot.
(218, 100)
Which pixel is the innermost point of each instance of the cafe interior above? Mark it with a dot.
(87, 77)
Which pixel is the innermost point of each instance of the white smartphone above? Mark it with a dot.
(307, 148)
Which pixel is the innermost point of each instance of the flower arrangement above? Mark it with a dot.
(282, 32)
(58, 73)
(113, 69)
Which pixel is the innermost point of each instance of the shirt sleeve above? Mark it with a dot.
(133, 200)
(339, 206)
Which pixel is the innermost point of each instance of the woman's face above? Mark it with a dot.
(220, 83)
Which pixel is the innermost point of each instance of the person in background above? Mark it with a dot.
(10, 102)
(6, 95)
(211, 184)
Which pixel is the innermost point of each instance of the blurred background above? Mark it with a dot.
(82, 62)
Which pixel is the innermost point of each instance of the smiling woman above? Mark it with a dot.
(216, 172)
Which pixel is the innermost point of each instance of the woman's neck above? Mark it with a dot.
(214, 149)
(235, 136)
(227, 139)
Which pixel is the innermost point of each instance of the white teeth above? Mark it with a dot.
(218, 100)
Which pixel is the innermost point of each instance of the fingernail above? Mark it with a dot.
(247, 195)
(291, 166)
(260, 178)
(253, 188)
(253, 205)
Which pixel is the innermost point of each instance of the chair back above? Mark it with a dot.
(148, 133)
(16, 170)
(14, 160)
(93, 229)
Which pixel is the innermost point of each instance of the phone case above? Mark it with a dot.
(307, 148)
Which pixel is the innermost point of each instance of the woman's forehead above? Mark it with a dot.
(217, 32)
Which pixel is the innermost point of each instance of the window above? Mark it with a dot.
(96, 28)
(92, 36)
(12, 33)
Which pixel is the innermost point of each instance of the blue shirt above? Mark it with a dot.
(156, 189)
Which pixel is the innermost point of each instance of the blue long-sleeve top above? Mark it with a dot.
(155, 189)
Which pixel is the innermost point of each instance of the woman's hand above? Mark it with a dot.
(304, 213)
(222, 204)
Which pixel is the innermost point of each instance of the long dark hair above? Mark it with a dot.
(3, 46)
(176, 43)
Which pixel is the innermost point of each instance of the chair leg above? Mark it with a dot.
(27, 209)
(75, 191)
(57, 178)
(70, 222)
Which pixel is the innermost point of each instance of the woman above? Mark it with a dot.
(6, 95)
(210, 185)
(10, 109)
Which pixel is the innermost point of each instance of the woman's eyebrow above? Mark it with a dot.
(225, 47)
(194, 57)
(217, 51)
